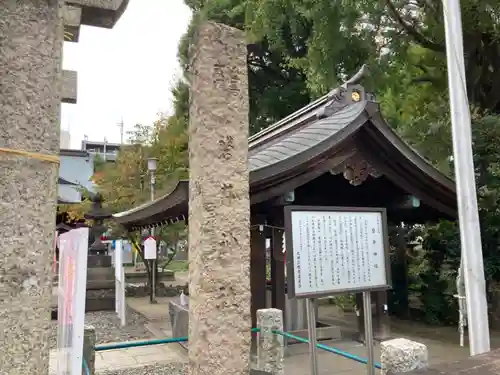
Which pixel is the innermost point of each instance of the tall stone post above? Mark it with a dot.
(270, 346)
(219, 209)
(31, 38)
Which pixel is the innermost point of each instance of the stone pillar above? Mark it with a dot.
(219, 207)
(30, 71)
(270, 347)
(89, 340)
(402, 355)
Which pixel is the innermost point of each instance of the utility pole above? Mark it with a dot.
(105, 145)
(470, 234)
(121, 126)
(152, 166)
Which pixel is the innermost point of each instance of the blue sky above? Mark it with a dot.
(125, 72)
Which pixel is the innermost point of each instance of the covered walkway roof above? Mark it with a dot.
(310, 142)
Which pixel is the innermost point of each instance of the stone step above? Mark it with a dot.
(97, 273)
(99, 261)
(96, 300)
(100, 284)
(95, 284)
(100, 273)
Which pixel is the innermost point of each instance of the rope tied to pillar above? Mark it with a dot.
(33, 155)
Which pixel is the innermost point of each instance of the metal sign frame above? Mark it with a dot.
(288, 210)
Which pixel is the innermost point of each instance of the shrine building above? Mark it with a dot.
(336, 151)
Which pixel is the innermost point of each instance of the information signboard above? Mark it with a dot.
(73, 251)
(333, 250)
(150, 248)
(120, 303)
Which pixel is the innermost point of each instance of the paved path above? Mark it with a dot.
(297, 357)
(132, 357)
(441, 342)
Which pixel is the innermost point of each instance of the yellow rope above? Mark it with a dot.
(45, 157)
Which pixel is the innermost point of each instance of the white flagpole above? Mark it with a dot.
(470, 235)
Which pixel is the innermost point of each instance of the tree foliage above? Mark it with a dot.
(301, 49)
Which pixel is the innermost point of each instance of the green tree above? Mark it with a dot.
(125, 183)
(301, 49)
(276, 88)
(344, 34)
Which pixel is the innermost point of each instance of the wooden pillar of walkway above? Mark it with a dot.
(278, 289)
(257, 271)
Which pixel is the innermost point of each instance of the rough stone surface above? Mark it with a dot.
(402, 355)
(89, 342)
(219, 209)
(31, 37)
(270, 347)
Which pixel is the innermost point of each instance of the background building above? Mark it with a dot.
(105, 150)
(75, 174)
(65, 139)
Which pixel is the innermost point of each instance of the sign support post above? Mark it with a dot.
(367, 309)
(311, 326)
(120, 299)
(153, 280)
(150, 255)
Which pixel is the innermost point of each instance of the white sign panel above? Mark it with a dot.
(118, 259)
(150, 248)
(336, 251)
(127, 253)
(120, 302)
(73, 250)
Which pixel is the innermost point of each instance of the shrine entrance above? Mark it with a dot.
(337, 151)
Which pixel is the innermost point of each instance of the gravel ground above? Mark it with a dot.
(108, 329)
(163, 369)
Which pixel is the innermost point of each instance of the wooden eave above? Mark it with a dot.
(307, 147)
(167, 208)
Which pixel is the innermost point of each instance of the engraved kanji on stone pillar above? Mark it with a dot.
(219, 206)
(270, 346)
